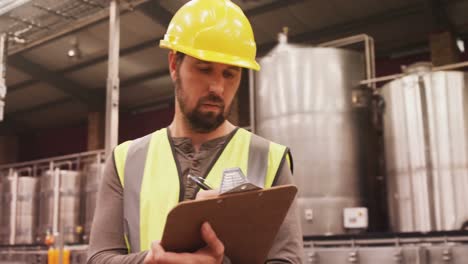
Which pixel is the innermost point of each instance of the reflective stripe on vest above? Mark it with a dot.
(150, 177)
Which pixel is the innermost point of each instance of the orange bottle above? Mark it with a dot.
(52, 256)
(66, 256)
(54, 253)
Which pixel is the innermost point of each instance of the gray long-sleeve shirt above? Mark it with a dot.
(107, 244)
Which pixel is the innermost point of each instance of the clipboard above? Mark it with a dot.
(246, 222)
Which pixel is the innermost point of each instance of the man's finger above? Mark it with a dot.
(207, 194)
(212, 241)
(157, 249)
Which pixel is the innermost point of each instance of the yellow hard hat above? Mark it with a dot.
(212, 30)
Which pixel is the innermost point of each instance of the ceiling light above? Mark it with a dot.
(74, 52)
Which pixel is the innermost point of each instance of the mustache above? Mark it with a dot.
(212, 98)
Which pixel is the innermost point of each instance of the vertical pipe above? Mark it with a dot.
(367, 55)
(56, 201)
(3, 57)
(112, 98)
(372, 54)
(14, 203)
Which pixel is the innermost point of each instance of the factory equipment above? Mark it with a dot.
(426, 142)
(304, 98)
(19, 209)
(389, 249)
(40, 255)
(92, 178)
(60, 193)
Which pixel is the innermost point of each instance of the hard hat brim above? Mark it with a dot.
(211, 56)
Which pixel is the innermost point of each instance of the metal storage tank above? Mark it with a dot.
(426, 142)
(93, 175)
(68, 209)
(23, 200)
(303, 99)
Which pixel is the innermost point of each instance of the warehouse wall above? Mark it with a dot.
(52, 142)
(73, 139)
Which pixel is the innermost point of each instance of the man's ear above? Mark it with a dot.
(172, 64)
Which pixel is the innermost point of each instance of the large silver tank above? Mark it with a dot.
(303, 99)
(69, 205)
(26, 203)
(426, 142)
(93, 176)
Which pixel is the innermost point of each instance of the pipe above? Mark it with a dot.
(369, 51)
(112, 97)
(56, 201)
(451, 66)
(14, 201)
(3, 65)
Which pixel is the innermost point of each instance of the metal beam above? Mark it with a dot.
(65, 85)
(154, 10)
(111, 135)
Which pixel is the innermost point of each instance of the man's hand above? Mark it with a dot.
(212, 253)
(207, 194)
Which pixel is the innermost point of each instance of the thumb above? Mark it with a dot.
(156, 249)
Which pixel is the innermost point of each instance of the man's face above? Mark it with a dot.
(204, 91)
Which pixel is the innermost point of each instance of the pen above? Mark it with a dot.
(200, 182)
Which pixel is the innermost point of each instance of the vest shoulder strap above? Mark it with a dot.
(120, 156)
(261, 149)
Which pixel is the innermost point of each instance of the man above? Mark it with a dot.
(209, 42)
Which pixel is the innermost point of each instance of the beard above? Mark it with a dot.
(199, 121)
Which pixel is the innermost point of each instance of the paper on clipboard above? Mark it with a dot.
(235, 181)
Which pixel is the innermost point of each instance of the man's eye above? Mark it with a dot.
(228, 75)
(205, 70)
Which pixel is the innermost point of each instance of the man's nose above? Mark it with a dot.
(217, 85)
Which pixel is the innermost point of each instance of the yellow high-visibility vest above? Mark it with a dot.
(149, 174)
